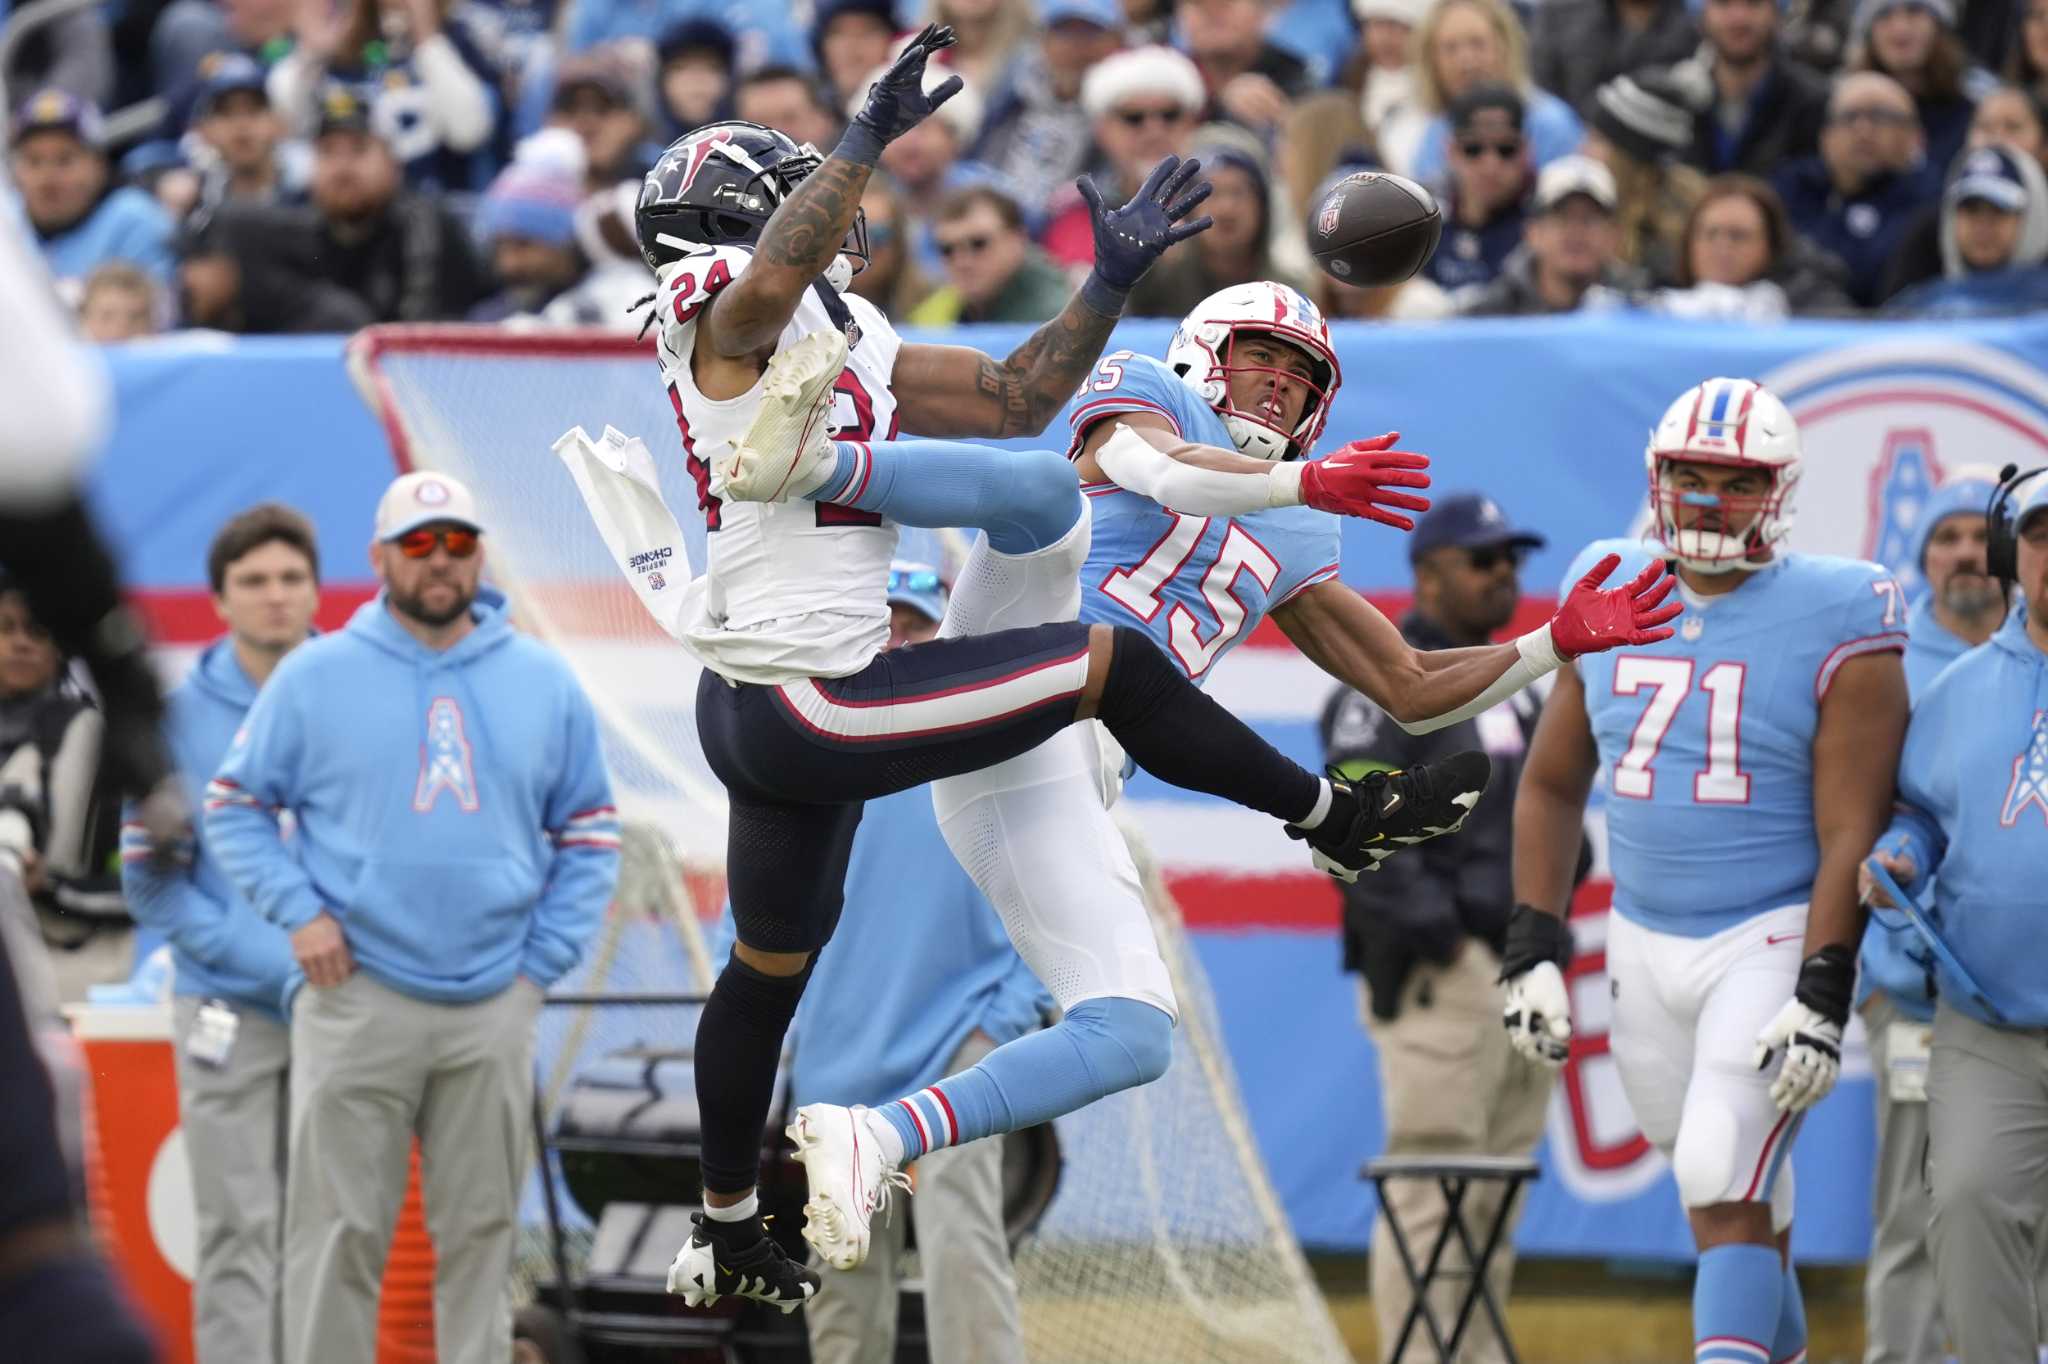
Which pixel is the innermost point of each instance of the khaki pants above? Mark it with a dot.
(1450, 1084)
(1987, 1178)
(970, 1293)
(372, 1068)
(234, 1122)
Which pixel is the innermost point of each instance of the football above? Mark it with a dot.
(1373, 229)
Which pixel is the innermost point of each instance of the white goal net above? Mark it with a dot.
(1165, 1241)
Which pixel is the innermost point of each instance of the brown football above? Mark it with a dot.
(1373, 229)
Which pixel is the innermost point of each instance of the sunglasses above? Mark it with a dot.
(973, 246)
(1506, 151)
(1138, 118)
(1488, 557)
(926, 581)
(459, 541)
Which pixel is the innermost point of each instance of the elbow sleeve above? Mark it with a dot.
(1133, 462)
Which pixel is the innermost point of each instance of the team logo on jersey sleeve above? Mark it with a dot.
(1884, 425)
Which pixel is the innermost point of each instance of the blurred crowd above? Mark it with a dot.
(317, 165)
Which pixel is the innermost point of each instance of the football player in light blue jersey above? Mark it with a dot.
(1749, 764)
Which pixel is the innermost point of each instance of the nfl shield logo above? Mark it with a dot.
(1326, 221)
(656, 581)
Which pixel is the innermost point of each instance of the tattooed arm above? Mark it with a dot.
(809, 227)
(953, 391)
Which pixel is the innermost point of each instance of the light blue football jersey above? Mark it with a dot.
(1196, 584)
(1706, 739)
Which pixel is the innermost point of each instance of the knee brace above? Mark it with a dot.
(1703, 1161)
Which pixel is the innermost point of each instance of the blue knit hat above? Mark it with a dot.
(1968, 494)
(537, 195)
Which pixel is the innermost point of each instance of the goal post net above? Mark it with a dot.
(1165, 1240)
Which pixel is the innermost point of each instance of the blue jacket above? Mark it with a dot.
(1973, 814)
(127, 225)
(220, 946)
(452, 808)
(919, 961)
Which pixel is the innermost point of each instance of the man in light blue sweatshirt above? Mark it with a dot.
(232, 966)
(1973, 815)
(455, 848)
(57, 152)
(1959, 609)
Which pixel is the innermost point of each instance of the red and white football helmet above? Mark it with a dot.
(1200, 354)
(1735, 422)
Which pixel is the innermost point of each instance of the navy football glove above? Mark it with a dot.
(898, 102)
(1129, 239)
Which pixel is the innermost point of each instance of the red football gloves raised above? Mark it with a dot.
(1591, 619)
(1355, 479)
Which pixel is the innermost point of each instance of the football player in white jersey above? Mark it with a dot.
(1749, 766)
(801, 714)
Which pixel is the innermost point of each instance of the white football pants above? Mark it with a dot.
(1035, 832)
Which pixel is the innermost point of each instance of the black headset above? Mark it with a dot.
(2001, 535)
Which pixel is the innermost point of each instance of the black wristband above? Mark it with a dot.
(1533, 937)
(1827, 983)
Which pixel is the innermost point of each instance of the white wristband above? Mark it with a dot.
(1538, 657)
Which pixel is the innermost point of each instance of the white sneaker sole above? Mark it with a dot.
(781, 451)
(835, 1248)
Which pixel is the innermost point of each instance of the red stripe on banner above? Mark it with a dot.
(186, 615)
(1292, 902)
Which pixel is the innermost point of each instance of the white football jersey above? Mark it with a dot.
(791, 589)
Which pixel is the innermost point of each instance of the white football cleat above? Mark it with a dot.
(788, 450)
(850, 1179)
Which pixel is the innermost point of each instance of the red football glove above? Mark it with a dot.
(1591, 620)
(1353, 480)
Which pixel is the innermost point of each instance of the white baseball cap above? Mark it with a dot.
(1569, 175)
(419, 499)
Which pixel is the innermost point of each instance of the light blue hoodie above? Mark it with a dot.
(918, 962)
(452, 808)
(1973, 813)
(220, 946)
(1897, 962)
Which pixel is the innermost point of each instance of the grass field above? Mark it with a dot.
(1586, 1312)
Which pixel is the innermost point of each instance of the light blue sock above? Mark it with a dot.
(1023, 499)
(1100, 1047)
(1790, 1342)
(1735, 1303)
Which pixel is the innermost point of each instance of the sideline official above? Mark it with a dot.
(455, 849)
(1425, 931)
(1973, 815)
(231, 965)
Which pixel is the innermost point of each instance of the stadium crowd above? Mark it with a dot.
(307, 165)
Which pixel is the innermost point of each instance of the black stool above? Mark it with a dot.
(1454, 1175)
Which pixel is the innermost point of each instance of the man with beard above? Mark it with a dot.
(1425, 933)
(1961, 609)
(364, 251)
(455, 848)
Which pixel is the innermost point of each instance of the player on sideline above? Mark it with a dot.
(801, 715)
(1750, 766)
(1217, 432)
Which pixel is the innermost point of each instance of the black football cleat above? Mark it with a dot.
(1377, 815)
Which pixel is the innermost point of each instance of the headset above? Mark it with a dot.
(2001, 538)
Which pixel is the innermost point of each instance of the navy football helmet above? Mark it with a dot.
(718, 185)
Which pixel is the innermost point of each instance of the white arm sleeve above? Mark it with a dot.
(1135, 463)
(1538, 658)
(461, 103)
